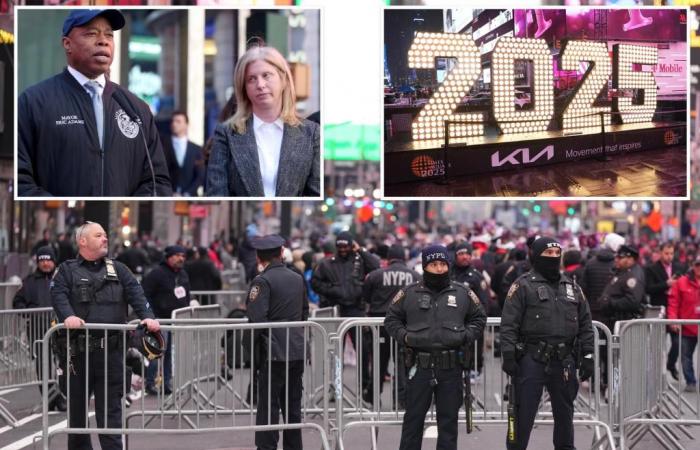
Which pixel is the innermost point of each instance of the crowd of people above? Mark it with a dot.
(606, 278)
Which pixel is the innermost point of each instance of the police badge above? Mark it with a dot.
(452, 301)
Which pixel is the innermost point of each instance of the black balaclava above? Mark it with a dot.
(547, 266)
(434, 281)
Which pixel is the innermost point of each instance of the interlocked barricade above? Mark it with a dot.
(7, 293)
(367, 405)
(204, 400)
(229, 299)
(646, 401)
(21, 331)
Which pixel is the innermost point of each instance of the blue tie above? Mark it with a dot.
(94, 88)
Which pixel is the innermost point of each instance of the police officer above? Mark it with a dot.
(95, 289)
(167, 288)
(34, 293)
(436, 319)
(545, 321)
(379, 288)
(278, 294)
(623, 296)
(463, 272)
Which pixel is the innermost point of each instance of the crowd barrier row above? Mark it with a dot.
(216, 367)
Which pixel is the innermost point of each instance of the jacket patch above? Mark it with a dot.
(397, 298)
(514, 287)
(128, 127)
(70, 120)
(254, 291)
(474, 298)
(631, 283)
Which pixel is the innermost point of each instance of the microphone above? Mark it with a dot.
(123, 101)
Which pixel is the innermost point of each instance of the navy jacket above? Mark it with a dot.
(186, 179)
(59, 152)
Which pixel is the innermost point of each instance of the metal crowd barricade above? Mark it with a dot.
(367, 405)
(21, 330)
(229, 300)
(7, 293)
(647, 402)
(222, 410)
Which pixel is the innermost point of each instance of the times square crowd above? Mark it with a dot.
(662, 271)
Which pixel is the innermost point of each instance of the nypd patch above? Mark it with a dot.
(254, 292)
(513, 288)
(474, 298)
(397, 298)
(631, 283)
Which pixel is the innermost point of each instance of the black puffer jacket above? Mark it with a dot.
(597, 273)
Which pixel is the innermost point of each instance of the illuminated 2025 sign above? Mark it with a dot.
(579, 112)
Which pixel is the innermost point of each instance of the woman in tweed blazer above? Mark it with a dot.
(264, 150)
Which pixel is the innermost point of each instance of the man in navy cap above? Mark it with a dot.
(34, 293)
(436, 319)
(623, 296)
(278, 294)
(78, 132)
(167, 288)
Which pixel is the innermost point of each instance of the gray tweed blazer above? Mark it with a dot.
(234, 168)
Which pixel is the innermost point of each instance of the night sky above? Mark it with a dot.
(399, 28)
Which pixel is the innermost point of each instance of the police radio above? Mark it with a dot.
(123, 101)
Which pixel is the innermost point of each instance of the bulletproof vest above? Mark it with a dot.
(97, 295)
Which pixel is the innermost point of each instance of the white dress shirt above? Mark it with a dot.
(268, 138)
(180, 148)
(82, 79)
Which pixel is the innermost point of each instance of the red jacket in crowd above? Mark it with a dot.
(684, 302)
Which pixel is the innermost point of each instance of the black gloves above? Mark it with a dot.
(586, 365)
(510, 366)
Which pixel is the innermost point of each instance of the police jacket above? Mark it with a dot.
(339, 280)
(428, 320)
(59, 151)
(538, 310)
(471, 277)
(166, 290)
(278, 294)
(382, 285)
(95, 293)
(513, 272)
(623, 296)
(34, 292)
(596, 275)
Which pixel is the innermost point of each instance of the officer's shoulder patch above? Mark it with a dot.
(631, 283)
(254, 292)
(474, 298)
(513, 288)
(397, 298)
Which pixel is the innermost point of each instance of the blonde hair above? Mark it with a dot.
(244, 108)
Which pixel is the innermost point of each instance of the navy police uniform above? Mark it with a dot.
(545, 320)
(278, 294)
(470, 276)
(34, 293)
(437, 320)
(623, 296)
(97, 292)
(379, 288)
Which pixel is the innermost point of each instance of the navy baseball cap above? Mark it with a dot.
(269, 242)
(79, 17)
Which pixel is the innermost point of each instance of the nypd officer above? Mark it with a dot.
(623, 296)
(435, 319)
(95, 289)
(278, 294)
(463, 272)
(545, 322)
(34, 293)
(379, 288)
